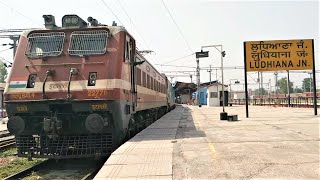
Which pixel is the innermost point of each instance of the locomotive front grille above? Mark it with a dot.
(64, 146)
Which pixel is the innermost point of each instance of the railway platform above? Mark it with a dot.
(192, 143)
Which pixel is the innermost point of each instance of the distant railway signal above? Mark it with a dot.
(202, 54)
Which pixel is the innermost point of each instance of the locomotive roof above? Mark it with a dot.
(112, 29)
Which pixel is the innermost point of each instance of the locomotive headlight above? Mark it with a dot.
(92, 79)
(16, 125)
(31, 81)
(73, 21)
(95, 123)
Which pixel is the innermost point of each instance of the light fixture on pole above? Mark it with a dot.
(223, 114)
(201, 54)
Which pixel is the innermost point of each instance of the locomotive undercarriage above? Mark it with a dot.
(75, 129)
(62, 129)
(143, 119)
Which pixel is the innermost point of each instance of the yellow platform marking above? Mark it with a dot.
(210, 145)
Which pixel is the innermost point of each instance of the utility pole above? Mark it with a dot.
(171, 79)
(201, 54)
(209, 73)
(310, 73)
(262, 84)
(259, 90)
(191, 78)
(15, 40)
(288, 87)
(198, 83)
(276, 79)
(269, 87)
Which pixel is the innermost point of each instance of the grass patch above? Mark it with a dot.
(8, 152)
(17, 165)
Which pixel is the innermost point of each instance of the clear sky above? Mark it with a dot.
(202, 22)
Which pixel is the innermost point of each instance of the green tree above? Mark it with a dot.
(282, 85)
(3, 73)
(261, 91)
(306, 84)
(297, 90)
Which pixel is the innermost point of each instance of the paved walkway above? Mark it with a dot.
(192, 143)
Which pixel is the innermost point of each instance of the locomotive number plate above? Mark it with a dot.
(97, 93)
(99, 106)
(22, 108)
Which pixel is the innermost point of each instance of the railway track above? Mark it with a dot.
(6, 139)
(83, 169)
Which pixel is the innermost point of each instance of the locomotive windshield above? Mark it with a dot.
(45, 44)
(88, 43)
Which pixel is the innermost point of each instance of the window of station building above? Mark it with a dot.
(88, 43)
(138, 76)
(159, 86)
(155, 84)
(45, 44)
(213, 94)
(144, 79)
(148, 81)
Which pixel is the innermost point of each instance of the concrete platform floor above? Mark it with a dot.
(192, 143)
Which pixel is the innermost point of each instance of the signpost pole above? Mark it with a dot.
(198, 83)
(288, 88)
(245, 80)
(314, 82)
(201, 54)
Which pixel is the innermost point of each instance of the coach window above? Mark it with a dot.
(151, 80)
(148, 81)
(138, 76)
(144, 79)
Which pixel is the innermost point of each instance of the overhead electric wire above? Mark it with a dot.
(5, 64)
(5, 50)
(111, 11)
(123, 25)
(175, 66)
(21, 14)
(177, 27)
(178, 58)
(151, 58)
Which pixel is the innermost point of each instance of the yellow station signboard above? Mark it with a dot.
(279, 55)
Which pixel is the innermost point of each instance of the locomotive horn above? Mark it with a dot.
(49, 22)
(92, 21)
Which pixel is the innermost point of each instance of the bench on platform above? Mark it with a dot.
(232, 117)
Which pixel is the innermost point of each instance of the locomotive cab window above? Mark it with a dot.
(45, 44)
(128, 53)
(85, 43)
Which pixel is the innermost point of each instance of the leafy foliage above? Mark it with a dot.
(282, 84)
(306, 84)
(3, 73)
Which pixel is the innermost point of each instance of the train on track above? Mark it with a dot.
(81, 90)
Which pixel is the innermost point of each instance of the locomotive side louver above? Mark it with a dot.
(31, 81)
(92, 79)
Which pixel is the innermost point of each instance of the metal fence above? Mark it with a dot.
(294, 102)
